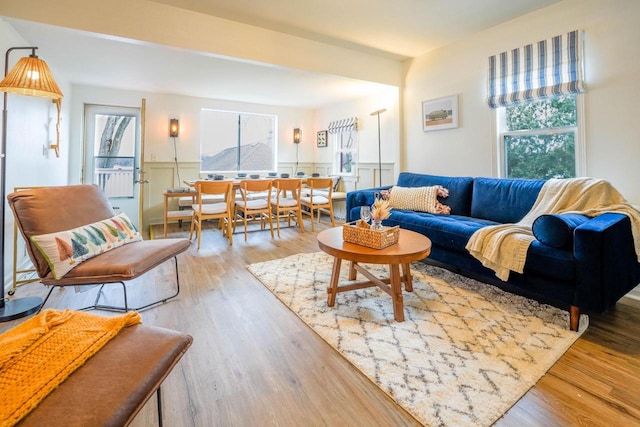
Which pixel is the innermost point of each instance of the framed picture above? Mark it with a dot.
(322, 138)
(440, 113)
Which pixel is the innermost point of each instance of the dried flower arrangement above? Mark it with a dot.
(381, 210)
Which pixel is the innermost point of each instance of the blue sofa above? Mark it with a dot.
(588, 268)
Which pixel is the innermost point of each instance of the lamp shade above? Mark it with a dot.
(31, 76)
(297, 135)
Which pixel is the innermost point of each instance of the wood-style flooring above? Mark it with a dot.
(254, 363)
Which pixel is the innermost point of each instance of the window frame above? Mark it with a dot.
(338, 151)
(240, 113)
(499, 123)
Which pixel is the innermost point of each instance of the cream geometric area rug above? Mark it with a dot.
(464, 355)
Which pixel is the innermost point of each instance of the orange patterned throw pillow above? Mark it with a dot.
(65, 250)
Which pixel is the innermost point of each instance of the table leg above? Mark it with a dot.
(352, 270)
(166, 209)
(332, 290)
(396, 292)
(408, 279)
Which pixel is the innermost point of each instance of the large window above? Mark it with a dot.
(536, 92)
(538, 138)
(233, 142)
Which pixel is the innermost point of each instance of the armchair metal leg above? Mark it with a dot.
(46, 298)
(159, 395)
(126, 307)
(97, 306)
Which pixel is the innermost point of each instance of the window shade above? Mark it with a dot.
(344, 125)
(540, 70)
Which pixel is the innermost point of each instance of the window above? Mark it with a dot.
(237, 142)
(536, 93)
(538, 139)
(344, 140)
(345, 153)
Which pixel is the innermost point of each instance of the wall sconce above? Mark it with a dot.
(174, 128)
(297, 134)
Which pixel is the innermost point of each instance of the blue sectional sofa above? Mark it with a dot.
(588, 265)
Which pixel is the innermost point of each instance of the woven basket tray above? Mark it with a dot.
(376, 239)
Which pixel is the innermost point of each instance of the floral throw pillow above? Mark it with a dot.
(65, 250)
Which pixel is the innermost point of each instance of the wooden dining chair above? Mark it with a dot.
(221, 208)
(316, 202)
(254, 205)
(285, 204)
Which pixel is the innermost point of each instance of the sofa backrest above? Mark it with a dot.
(460, 189)
(504, 200)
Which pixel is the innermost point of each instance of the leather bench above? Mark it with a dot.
(116, 382)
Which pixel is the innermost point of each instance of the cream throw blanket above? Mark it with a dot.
(503, 248)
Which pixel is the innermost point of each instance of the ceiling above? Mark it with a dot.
(397, 29)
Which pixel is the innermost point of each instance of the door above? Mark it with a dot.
(112, 147)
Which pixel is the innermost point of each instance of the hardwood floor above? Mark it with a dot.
(253, 362)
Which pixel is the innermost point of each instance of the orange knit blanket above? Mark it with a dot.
(40, 353)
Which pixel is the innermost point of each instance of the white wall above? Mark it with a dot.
(362, 108)
(159, 151)
(612, 63)
(162, 107)
(30, 130)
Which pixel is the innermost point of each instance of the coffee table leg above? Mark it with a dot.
(408, 280)
(396, 290)
(332, 290)
(352, 270)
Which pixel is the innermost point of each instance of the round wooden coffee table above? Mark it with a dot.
(411, 246)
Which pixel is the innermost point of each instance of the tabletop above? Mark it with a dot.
(411, 246)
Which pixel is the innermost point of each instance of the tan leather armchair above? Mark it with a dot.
(46, 210)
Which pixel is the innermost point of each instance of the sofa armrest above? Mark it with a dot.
(358, 198)
(606, 262)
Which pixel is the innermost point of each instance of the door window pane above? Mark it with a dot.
(114, 154)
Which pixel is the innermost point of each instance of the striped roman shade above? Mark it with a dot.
(344, 125)
(540, 70)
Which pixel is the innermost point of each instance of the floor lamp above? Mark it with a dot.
(377, 113)
(30, 76)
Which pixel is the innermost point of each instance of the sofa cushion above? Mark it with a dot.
(452, 233)
(557, 229)
(459, 189)
(449, 231)
(504, 200)
(66, 249)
